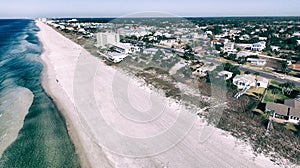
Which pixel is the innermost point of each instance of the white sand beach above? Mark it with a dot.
(116, 122)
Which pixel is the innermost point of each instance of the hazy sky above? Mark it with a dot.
(88, 8)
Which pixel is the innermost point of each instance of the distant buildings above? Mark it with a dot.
(245, 37)
(263, 38)
(296, 34)
(275, 48)
(243, 54)
(228, 47)
(104, 39)
(257, 62)
(150, 51)
(258, 46)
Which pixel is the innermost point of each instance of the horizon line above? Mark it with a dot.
(113, 17)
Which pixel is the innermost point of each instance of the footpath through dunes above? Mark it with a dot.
(115, 122)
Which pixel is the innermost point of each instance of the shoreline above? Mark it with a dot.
(46, 84)
(86, 148)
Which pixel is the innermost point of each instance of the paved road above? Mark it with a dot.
(261, 73)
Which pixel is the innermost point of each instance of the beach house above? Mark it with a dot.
(203, 70)
(241, 81)
(288, 112)
(228, 46)
(125, 48)
(257, 62)
(226, 74)
(116, 57)
(258, 46)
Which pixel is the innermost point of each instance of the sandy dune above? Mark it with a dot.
(116, 122)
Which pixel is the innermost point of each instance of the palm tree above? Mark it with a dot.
(274, 91)
(287, 87)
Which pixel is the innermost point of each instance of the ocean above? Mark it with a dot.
(33, 133)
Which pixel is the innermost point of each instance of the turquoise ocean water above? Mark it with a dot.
(43, 140)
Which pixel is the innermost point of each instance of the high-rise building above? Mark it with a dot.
(104, 39)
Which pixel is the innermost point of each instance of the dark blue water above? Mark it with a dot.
(43, 141)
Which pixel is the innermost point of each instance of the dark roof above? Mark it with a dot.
(293, 103)
(277, 108)
(282, 109)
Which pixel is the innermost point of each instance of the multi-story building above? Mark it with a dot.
(104, 39)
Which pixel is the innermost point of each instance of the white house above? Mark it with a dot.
(125, 48)
(228, 46)
(244, 80)
(298, 41)
(262, 82)
(209, 32)
(297, 34)
(245, 37)
(257, 62)
(244, 45)
(203, 70)
(258, 46)
(116, 57)
(243, 54)
(263, 38)
(241, 81)
(226, 74)
(104, 39)
(275, 48)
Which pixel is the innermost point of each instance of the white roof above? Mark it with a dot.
(245, 78)
(225, 73)
(123, 45)
(116, 55)
(256, 59)
(261, 79)
(151, 49)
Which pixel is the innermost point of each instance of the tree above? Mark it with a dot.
(234, 69)
(188, 56)
(287, 87)
(232, 57)
(217, 30)
(256, 74)
(285, 67)
(242, 60)
(247, 72)
(187, 48)
(274, 91)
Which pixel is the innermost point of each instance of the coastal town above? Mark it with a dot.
(266, 55)
(256, 59)
(150, 84)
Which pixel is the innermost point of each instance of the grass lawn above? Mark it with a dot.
(275, 83)
(255, 91)
(290, 126)
(270, 97)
